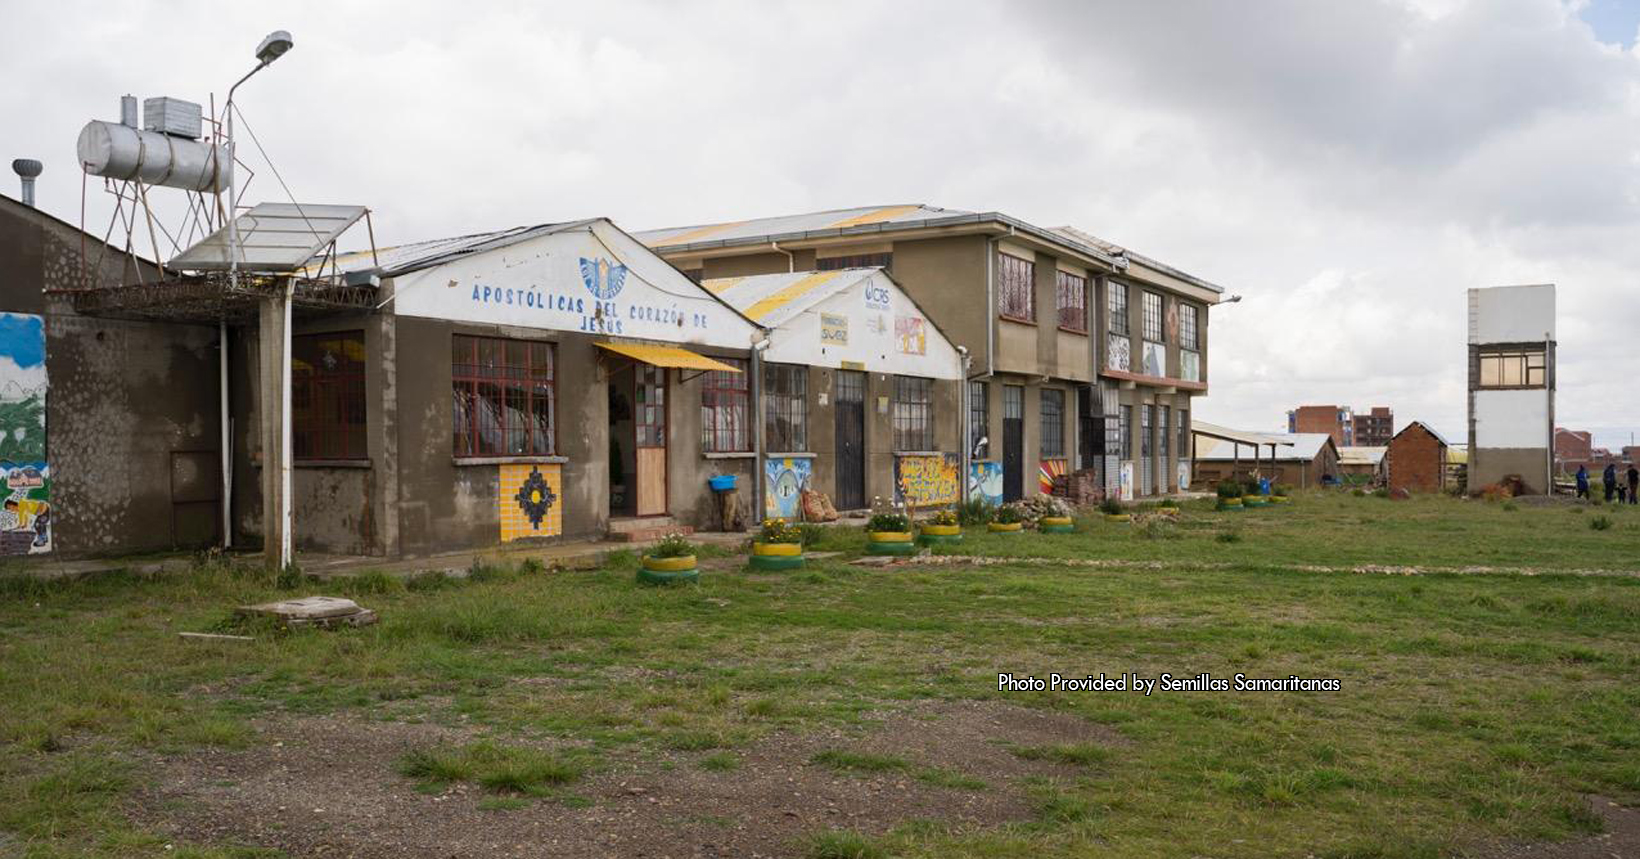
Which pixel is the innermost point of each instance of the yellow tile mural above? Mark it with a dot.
(531, 501)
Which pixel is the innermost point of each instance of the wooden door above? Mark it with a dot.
(1013, 443)
(649, 405)
(851, 436)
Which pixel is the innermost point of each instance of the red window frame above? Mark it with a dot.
(327, 396)
(726, 409)
(504, 399)
(1016, 288)
(1072, 293)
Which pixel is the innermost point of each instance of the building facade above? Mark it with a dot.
(1081, 354)
(1512, 386)
(1348, 427)
(1417, 460)
(1374, 427)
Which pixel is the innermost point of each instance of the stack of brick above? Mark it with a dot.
(1080, 488)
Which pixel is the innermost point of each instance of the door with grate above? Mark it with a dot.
(1013, 443)
(650, 407)
(851, 440)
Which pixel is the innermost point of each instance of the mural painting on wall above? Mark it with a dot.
(985, 482)
(833, 330)
(531, 501)
(1117, 353)
(1125, 488)
(1047, 470)
(924, 481)
(25, 521)
(783, 482)
(910, 335)
(1155, 360)
(1190, 365)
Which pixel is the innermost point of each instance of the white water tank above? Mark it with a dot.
(120, 152)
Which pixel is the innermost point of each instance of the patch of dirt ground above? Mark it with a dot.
(328, 786)
(1620, 840)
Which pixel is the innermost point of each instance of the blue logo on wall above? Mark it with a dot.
(603, 278)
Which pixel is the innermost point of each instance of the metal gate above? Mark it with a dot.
(1090, 431)
(1013, 443)
(851, 440)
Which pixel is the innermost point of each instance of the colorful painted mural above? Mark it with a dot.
(1047, 470)
(910, 335)
(531, 501)
(985, 482)
(783, 482)
(25, 519)
(925, 481)
(1125, 487)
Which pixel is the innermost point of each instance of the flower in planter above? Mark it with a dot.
(944, 517)
(1009, 514)
(779, 531)
(895, 522)
(672, 546)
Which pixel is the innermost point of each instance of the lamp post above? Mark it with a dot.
(279, 556)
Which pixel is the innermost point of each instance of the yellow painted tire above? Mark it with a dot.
(1118, 517)
(1279, 499)
(941, 530)
(889, 536)
(781, 550)
(1006, 527)
(669, 565)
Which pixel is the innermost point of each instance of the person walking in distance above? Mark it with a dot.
(1634, 484)
(1583, 482)
(1609, 479)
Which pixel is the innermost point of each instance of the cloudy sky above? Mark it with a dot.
(1350, 168)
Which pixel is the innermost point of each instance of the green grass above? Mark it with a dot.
(1473, 707)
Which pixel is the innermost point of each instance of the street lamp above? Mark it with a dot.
(273, 46)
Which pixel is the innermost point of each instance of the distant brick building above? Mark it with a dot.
(1417, 459)
(1572, 446)
(1374, 428)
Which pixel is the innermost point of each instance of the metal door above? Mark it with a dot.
(1013, 443)
(1090, 430)
(650, 407)
(851, 440)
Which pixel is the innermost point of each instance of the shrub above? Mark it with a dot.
(944, 517)
(1358, 492)
(671, 546)
(779, 531)
(1380, 492)
(975, 511)
(1008, 514)
(810, 533)
(896, 522)
(1282, 489)
(1510, 506)
(1229, 489)
(1112, 507)
(1600, 523)
(1157, 528)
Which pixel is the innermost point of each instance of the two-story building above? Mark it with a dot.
(1082, 354)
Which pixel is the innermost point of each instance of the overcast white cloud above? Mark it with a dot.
(1351, 168)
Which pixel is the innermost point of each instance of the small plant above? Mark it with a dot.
(1009, 514)
(975, 511)
(1510, 506)
(1282, 489)
(945, 517)
(1157, 528)
(1380, 492)
(810, 533)
(1358, 492)
(1229, 489)
(1168, 504)
(1228, 537)
(1600, 523)
(779, 531)
(894, 522)
(671, 546)
(1111, 507)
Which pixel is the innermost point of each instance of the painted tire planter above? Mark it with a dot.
(1056, 525)
(1252, 501)
(890, 543)
(777, 556)
(1118, 517)
(929, 535)
(1278, 499)
(1006, 527)
(1229, 503)
(668, 571)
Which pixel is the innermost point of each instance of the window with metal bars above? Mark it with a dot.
(883, 260)
(1164, 441)
(327, 396)
(978, 413)
(1184, 434)
(785, 408)
(725, 409)
(913, 413)
(1147, 440)
(504, 399)
(1126, 433)
(1153, 317)
(1187, 325)
(1016, 288)
(1072, 291)
(1053, 423)
(1117, 305)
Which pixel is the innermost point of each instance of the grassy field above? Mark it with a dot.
(1476, 707)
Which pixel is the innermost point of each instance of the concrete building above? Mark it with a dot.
(1416, 461)
(1512, 386)
(1302, 460)
(1348, 427)
(110, 425)
(1083, 354)
(1374, 427)
(860, 390)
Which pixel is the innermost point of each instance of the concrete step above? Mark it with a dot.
(639, 530)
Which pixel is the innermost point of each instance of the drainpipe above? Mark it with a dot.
(991, 306)
(227, 435)
(966, 431)
(757, 428)
(791, 258)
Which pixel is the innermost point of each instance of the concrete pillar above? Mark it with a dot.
(273, 387)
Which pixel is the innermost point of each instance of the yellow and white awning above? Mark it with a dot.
(667, 356)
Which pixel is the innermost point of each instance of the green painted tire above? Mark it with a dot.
(1058, 529)
(895, 548)
(776, 562)
(669, 565)
(932, 539)
(675, 577)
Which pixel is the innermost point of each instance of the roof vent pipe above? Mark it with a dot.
(27, 169)
(128, 111)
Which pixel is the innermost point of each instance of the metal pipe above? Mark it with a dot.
(758, 452)
(286, 514)
(227, 435)
(965, 433)
(233, 202)
(791, 258)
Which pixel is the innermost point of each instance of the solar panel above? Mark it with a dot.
(273, 237)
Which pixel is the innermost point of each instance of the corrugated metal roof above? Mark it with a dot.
(1243, 436)
(1289, 446)
(834, 219)
(1148, 262)
(400, 259)
(771, 299)
(1361, 454)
